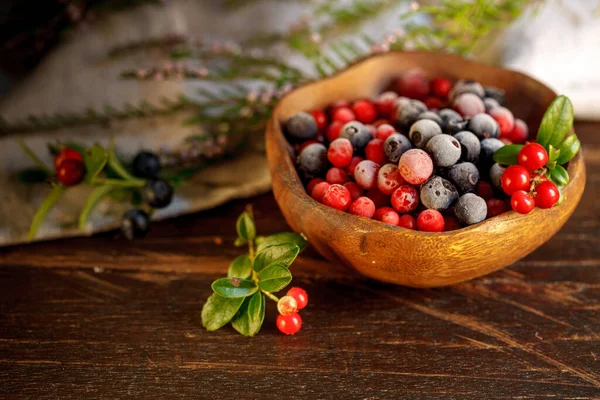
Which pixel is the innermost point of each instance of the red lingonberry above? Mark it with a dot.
(336, 175)
(389, 179)
(333, 130)
(504, 118)
(441, 87)
(485, 190)
(495, 207)
(430, 221)
(289, 324)
(374, 151)
(468, 105)
(365, 111)
(386, 104)
(320, 118)
(407, 221)
(340, 152)
(387, 215)
(384, 131)
(319, 191)
(300, 295)
(355, 190)
(336, 196)
(433, 103)
(546, 195)
(313, 182)
(451, 223)
(66, 153)
(353, 163)
(515, 178)
(363, 206)
(70, 172)
(413, 84)
(520, 132)
(343, 115)
(532, 156)
(415, 166)
(522, 202)
(338, 104)
(365, 174)
(287, 305)
(380, 199)
(405, 199)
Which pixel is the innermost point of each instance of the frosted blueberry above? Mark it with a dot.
(489, 147)
(312, 161)
(407, 113)
(496, 175)
(422, 131)
(448, 114)
(300, 127)
(431, 116)
(490, 103)
(484, 126)
(358, 134)
(469, 145)
(467, 86)
(395, 145)
(456, 125)
(470, 209)
(495, 93)
(444, 150)
(464, 176)
(438, 193)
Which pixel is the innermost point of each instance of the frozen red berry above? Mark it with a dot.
(319, 191)
(365, 174)
(519, 133)
(495, 207)
(484, 190)
(441, 87)
(515, 178)
(66, 154)
(384, 131)
(287, 305)
(336, 175)
(522, 202)
(546, 195)
(334, 130)
(338, 104)
(386, 104)
(415, 166)
(433, 103)
(389, 179)
(413, 84)
(353, 163)
(380, 199)
(340, 152)
(300, 295)
(320, 118)
(289, 324)
(405, 199)
(70, 172)
(468, 105)
(363, 207)
(407, 221)
(505, 120)
(365, 111)
(313, 182)
(451, 223)
(387, 215)
(532, 156)
(355, 190)
(343, 115)
(337, 196)
(374, 151)
(430, 221)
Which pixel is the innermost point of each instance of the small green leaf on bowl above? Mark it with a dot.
(556, 123)
(568, 149)
(507, 155)
(559, 175)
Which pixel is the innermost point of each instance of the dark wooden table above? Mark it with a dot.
(98, 317)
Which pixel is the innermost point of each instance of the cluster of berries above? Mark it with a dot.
(420, 157)
(527, 184)
(288, 320)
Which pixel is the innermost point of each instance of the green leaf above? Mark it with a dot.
(250, 316)
(283, 254)
(507, 155)
(44, 208)
(91, 203)
(553, 154)
(241, 267)
(281, 238)
(115, 163)
(33, 175)
(245, 227)
(234, 287)
(218, 310)
(274, 278)
(95, 159)
(559, 175)
(33, 156)
(568, 148)
(557, 122)
(239, 242)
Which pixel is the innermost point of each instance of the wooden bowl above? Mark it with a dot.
(398, 255)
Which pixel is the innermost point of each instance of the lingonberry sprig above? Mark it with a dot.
(536, 174)
(240, 297)
(142, 183)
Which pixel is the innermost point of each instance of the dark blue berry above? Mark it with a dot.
(448, 114)
(464, 176)
(496, 94)
(407, 113)
(454, 126)
(432, 116)
(395, 145)
(490, 104)
(467, 86)
(489, 147)
(469, 145)
(301, 127)
(438, 193)
(146, 165)
(470, 209)
(135, 224)
(158, 193)
(312, 161)
(484, 126)
(444, 150)
(358, 134)
(496, 175)
(422, 131)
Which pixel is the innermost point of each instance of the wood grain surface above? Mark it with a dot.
(104, 318)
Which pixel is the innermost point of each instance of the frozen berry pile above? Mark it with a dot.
(420, 157)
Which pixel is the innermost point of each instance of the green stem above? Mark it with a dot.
(136, 183)
(270, 295)
(33, 156)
